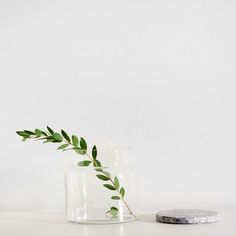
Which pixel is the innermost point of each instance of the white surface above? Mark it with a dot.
(158, 76)
(18, 223)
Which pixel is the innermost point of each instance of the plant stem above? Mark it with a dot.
(50, 136)
(110, 179)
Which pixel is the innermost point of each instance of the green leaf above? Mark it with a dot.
(102, 177)
(99, 169)
(65, 135)
(116, 182)
(47, 141)
(57, 137)
(29, 132)
(94, 152)
(115, 197)
(83, 144)
(122, 192)
(63, 146)
(84, 163)
(114, 211)
(80, 151)
(38, 132)
(67, 149)
(108, 174)
(111, 187)
(50, 130)
(23, 134)
(75, 140)
(97, 163)
(114, 208)
(44, 133)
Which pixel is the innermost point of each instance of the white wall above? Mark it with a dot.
(158, 76)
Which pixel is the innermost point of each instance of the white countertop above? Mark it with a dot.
(50, 224)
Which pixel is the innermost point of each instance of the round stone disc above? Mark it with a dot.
(181, 216)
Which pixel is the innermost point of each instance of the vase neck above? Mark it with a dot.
(112, 155)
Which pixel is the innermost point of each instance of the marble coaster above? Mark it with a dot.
(193, 216)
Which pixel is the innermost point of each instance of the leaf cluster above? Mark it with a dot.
(79, 145)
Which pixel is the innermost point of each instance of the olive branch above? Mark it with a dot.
(81, 148)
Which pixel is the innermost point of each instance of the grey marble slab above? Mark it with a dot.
(187, 216)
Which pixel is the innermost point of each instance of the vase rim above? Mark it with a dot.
(113, 147)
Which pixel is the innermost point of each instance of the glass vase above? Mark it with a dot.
(89, 201)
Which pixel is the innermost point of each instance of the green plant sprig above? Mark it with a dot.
(81, 148)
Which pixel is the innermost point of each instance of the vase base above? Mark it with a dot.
(115, 220)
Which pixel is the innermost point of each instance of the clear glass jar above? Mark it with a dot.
(88, 201)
